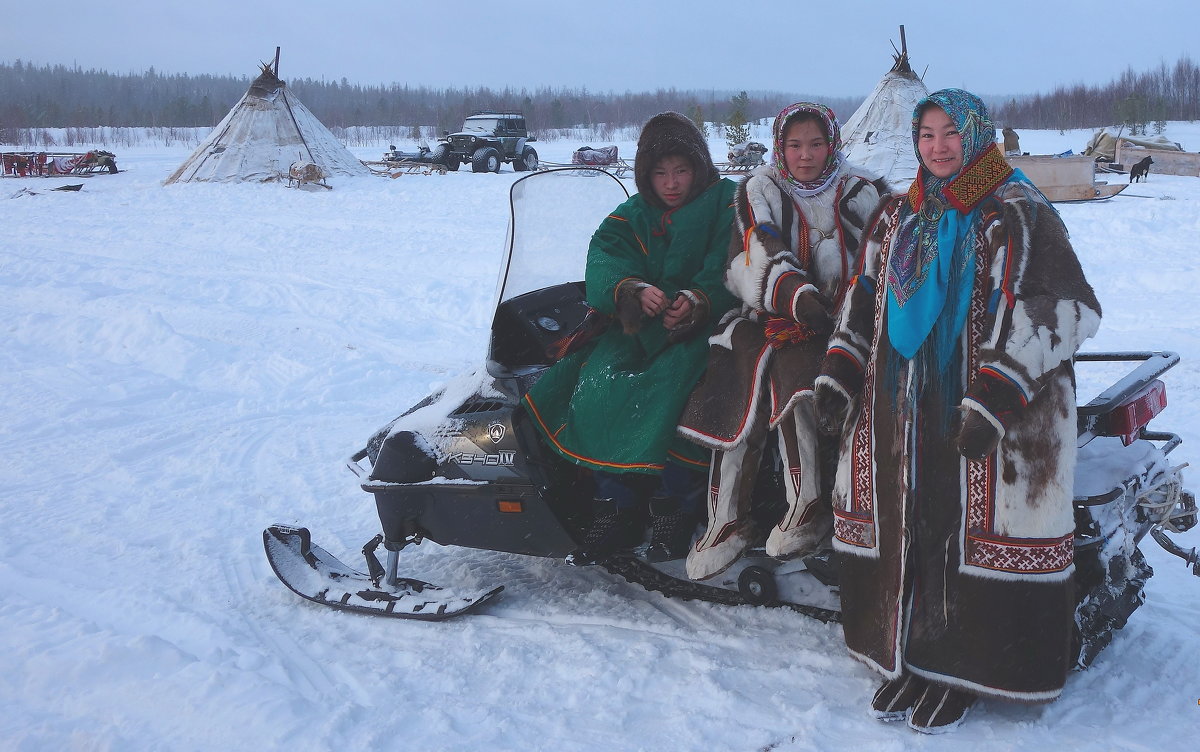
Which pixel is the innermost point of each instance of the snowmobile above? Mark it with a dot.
(464, 467)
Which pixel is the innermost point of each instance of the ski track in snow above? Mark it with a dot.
(184, 365)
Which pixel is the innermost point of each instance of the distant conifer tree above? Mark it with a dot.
(737, 128)
(697, 116)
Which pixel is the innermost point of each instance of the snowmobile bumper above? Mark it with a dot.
(510, 517)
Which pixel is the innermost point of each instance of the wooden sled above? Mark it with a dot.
(393, 168)
(1065, 179)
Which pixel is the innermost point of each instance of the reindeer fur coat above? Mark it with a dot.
(788, 261)
(961, 571)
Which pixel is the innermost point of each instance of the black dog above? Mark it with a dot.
(1140, 170)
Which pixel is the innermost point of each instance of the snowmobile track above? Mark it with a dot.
(639, 572)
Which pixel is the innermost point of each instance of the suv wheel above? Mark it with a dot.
(443, 156)
(527, 160)
(486, 159)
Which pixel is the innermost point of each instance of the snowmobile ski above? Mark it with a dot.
(317, 575)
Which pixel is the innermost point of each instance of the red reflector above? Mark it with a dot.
(1127, 419)
(510, 507)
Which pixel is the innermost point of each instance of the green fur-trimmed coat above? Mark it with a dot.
(613, 405)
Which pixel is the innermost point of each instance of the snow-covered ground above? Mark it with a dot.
(182, 366)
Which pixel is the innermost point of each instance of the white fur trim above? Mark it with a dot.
(1024, 508)
(746, 272)
(791, 405)
(757, 390)
(807, 288)
(874, 666)
(982, 689)
(723, 336)
(843, 547)
(766, 293)
(765, 198)
(833, 384)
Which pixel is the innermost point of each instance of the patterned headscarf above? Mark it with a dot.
(832, 130)
(932, 261)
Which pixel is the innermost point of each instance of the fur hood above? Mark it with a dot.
(666, 134)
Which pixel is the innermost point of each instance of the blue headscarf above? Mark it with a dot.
(932, 262)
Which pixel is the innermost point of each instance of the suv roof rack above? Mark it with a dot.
(495, 112)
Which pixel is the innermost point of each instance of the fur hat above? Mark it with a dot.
(667, 134)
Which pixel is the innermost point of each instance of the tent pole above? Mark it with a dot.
(277, 55)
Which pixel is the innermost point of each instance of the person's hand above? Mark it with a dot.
(831, 408)
(977, 436)
(653, 300)
(679, 311)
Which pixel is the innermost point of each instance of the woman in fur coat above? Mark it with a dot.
(655, 266)
(798, 225)
(950, 380)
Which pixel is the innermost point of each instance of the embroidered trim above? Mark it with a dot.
(1020, 555)
(916, 194)
(853, 531)
(861, 444)
(981, 474)
(978, 180)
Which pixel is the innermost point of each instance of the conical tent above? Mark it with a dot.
(262, 136)
(878, 136)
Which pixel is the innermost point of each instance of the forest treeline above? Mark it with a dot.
(1169, 92)
(57, 96)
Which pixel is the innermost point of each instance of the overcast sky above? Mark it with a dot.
(818, 48)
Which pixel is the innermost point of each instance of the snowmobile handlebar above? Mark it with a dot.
(356, 468)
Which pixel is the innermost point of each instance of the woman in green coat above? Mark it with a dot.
(656, 265)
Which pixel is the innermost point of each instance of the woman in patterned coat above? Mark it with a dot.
(950, 380)
(797, 231)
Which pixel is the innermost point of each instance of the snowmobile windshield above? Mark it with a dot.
(553, 215)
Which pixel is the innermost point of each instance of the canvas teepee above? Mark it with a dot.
(265, 132)
(878, 136)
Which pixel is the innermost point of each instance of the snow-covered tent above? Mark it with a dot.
(262, 136)
(878, 136)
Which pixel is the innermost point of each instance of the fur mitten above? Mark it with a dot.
(832, 408)
(812, 309)
(978, 436)
(629, 305)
